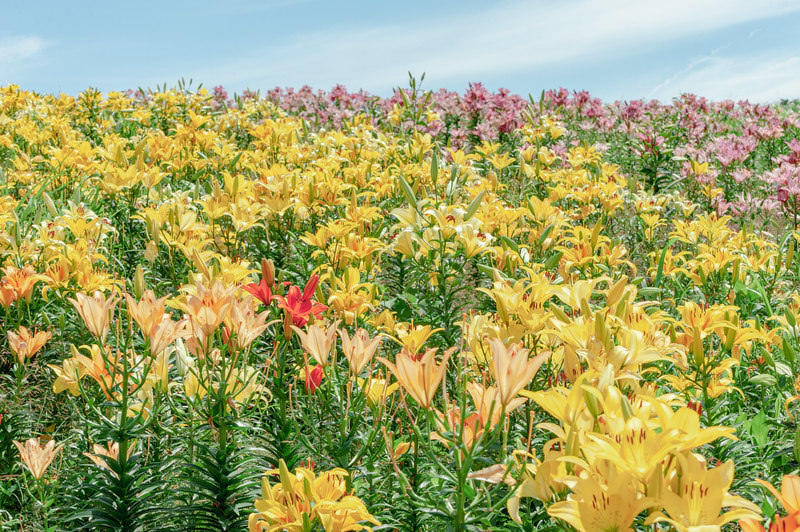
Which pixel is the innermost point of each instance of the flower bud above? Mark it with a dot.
(268, 272)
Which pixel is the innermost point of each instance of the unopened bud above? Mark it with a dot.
(138, 282)
(287, 326)
(51, 207)
(268, 272)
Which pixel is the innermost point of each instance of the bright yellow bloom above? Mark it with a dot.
(305, 498)
(377, 389)
(67, 376)
(695, 498)
(413, 337)
(607, 503)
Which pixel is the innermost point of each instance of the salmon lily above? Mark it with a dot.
(95, 312)
(37, 457)
(512, 368)
(25, 344)
(359, 349)
(419, 377)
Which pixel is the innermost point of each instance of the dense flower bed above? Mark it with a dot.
(327, 310)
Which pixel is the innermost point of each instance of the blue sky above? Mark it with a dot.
(616, 49)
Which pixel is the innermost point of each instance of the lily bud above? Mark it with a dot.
(138, 282)
(268, 272)
(287, 326)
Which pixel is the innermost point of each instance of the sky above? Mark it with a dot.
(615, 49)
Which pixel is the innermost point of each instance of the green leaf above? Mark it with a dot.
(796, 447)
(764, 379)
(660, 270)
(788, 352)
(758, 429)
(545, 234)
(650, 291)
(473, 206)
(553, 261)
(508, 242)
(408, 192)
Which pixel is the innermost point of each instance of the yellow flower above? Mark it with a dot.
(360, 349)
(512, 369)
(37, 457)
(346, 514)
(699, 168)
(419, 376)
(602, 503)
(377, 389)
(25, 345)
(540, 480)
(193, 386)
(67, 376)
(413, 337)
(95, 312)
(303, 499)
(695, 498)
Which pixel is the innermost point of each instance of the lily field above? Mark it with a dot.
(304, 310)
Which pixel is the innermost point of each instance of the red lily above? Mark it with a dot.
(313, 378)
(263, 289)
(299, 306)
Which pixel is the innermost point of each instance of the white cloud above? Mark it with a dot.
(14, 51)
(502, 39)
(758, 78)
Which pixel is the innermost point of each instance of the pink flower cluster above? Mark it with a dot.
(786, 175)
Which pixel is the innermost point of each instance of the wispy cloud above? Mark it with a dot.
(764, 77)
(504, 39)
(668, 84)
(15, 49)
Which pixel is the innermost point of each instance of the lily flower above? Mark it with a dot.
(37, 457)
(318, 341)
(299, 306)
(95, 312)
(263, 289)
(419, 377)
(359, 349)
(512, 368)
(25, 345)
